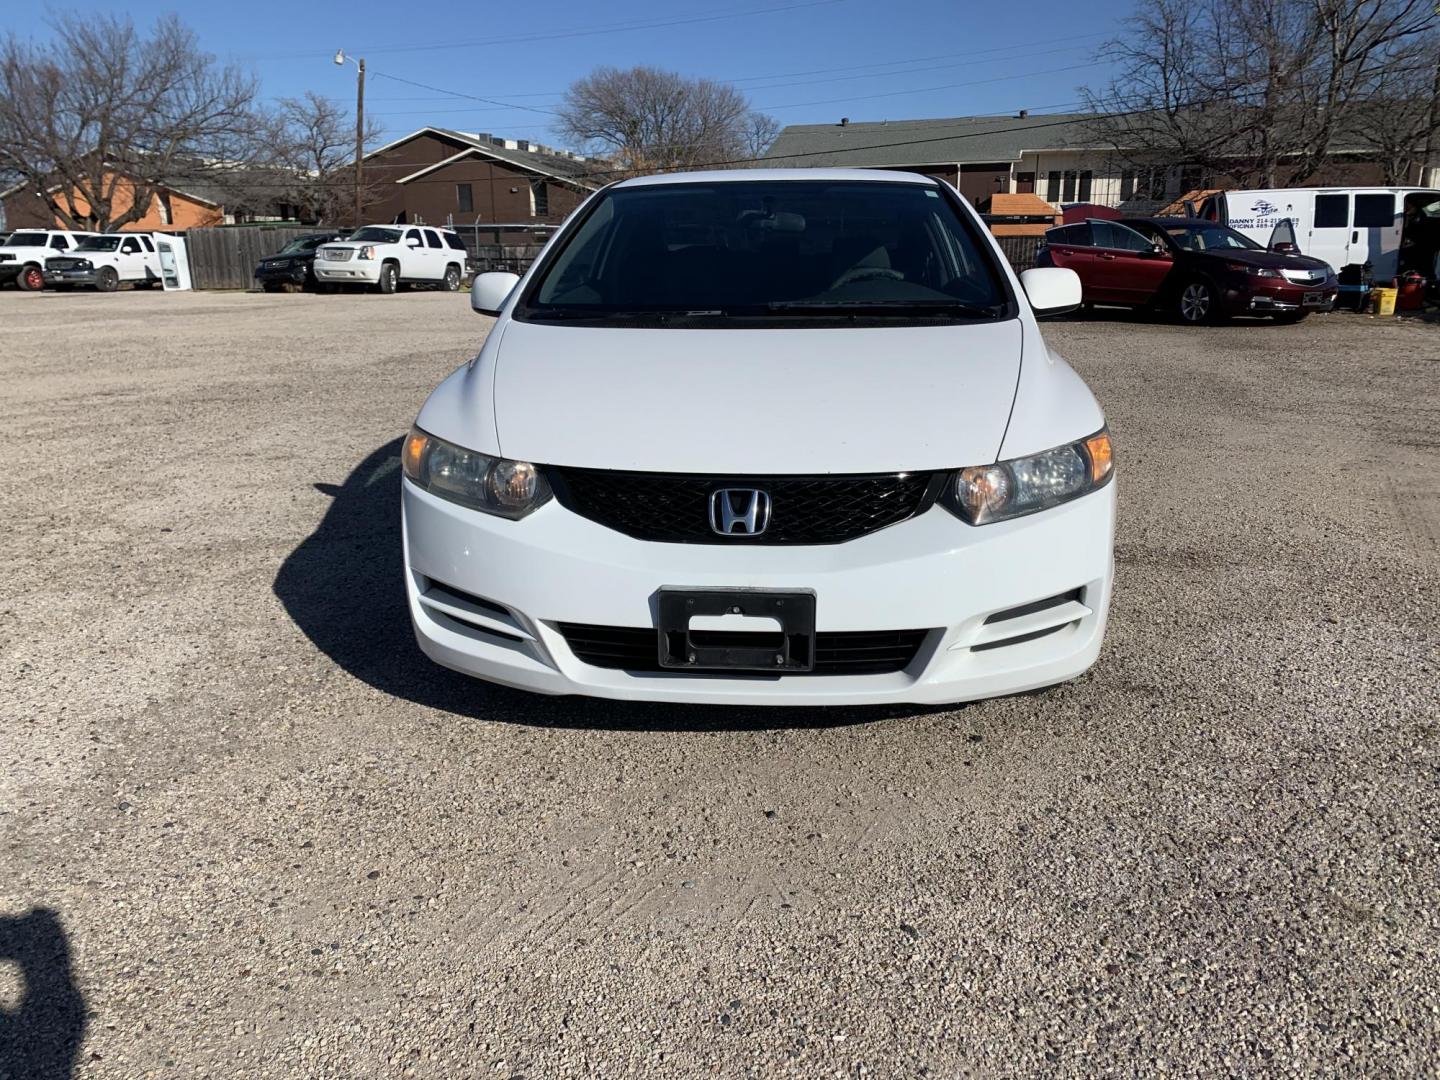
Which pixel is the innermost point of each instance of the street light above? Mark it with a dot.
(340, 59)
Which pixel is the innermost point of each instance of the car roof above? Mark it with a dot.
(1173, 222)
(406, 225)
(737, 176)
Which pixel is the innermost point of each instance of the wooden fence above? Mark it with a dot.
(226, 258)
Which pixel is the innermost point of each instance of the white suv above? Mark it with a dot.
(22, 257)
(764, 437)
(388, 256)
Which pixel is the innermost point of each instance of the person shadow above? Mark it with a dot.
(344, 589)
(41, 1035)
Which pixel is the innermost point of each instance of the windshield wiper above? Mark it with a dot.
(953, 308)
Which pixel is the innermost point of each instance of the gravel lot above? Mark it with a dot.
(248, 831)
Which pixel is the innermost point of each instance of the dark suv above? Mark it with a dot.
(292, 264)
(1200, 271)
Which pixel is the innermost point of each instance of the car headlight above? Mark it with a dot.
(1011, 489)
(509, 489)
(1253, 271)
(366, 252)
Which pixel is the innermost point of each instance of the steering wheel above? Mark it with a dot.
(866, 273)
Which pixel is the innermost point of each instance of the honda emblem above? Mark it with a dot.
(739, 511)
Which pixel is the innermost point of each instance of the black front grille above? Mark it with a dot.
(850, 652)
(675, 509)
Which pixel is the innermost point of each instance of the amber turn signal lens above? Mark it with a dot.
(1101, 461)
(414, 453)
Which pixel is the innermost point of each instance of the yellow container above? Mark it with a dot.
(1384, 299)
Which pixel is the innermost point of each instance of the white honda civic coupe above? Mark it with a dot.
(783, 437)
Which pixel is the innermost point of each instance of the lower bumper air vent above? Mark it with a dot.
(862, 652)
(1016, 625)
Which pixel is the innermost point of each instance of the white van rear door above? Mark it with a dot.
(1330, 229)
(1375, 232)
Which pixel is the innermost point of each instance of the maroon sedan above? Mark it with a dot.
(1200, 271)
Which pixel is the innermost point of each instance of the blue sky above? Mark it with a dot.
(803, 61)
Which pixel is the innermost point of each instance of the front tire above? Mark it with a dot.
(31, 279)
(452, 278)
(389, 278)
(1197, 303)
(108, 279)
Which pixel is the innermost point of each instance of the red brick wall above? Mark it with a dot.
(500, 192)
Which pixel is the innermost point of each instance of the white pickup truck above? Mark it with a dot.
(105, 261)
(23, 255)
(388, 256)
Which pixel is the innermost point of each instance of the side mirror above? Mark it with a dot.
(1159, 249)
(1051, 290)
(488, 292)
(412, 241)
(1284, 247)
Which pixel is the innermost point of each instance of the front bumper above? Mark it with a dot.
(285, 275)
(354, 271)
(70, 277)
(932, 572)
(1265, 295)
(9, 271)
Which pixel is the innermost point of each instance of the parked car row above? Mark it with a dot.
(1197, 270)
(382, 257)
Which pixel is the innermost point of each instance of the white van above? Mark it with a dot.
(1395, 229)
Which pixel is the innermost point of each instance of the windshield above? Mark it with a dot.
(98, 243)
(1210, 238)
(27, 239)
(782, 248)
(304, 244)
(376, 235)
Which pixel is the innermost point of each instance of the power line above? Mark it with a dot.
(856, 70)
(609, 28)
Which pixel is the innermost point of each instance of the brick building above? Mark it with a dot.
(440, 177)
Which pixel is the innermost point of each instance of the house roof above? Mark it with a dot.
(571, 169)
(958, 139)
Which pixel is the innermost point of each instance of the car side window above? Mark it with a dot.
(454, 241)
(1332, 211)
(412, 234)
(59, 243)
(1374, 211)
(1071, 235)
(130, 247)
(1110, 234)
(145, 240)
(432, 239)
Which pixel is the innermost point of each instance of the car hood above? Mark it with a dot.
(842, 400)
(1273, 260)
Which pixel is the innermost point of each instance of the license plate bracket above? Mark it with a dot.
(789, 650)
(1311, 299)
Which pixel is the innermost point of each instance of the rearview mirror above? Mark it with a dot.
(1051, 290)
(488, 292)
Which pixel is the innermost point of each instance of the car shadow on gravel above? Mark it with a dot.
(40, 1037)
(344, 589)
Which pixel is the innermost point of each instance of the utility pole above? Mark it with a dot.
(340, 58)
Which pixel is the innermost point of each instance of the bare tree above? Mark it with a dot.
(1401, 121)
(652, 120)
(760, 132)
(1253, 91)
(100, 108)
(315, 145)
